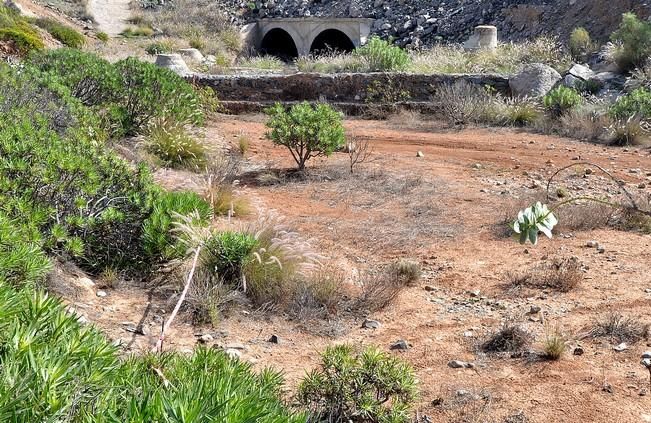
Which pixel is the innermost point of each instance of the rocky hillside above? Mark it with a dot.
(423, 22)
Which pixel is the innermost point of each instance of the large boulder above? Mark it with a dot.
(173, 62)
(534, 80)
(192, 54)
(581, 71)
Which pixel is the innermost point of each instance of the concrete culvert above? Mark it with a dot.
(331, 40)
(277, 42)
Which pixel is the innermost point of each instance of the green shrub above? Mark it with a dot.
(371, 386)
(138, 31)
(635, 38)
(382, 56)
(580, 43)
(88, 203)
(151, 91)
(197, 42)
(561, 100)
(159, 47)
(307, 131)
(159, 242)
(68, 36)
(521, 111)
(16, 29)
(56, 369)
(103, 37)
(170, 142)
(225, 253)
(91, 79)
(22, 260)
(636, 103)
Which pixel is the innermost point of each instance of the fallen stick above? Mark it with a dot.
(159, 344)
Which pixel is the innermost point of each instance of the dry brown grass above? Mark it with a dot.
(554, 343)
(509, 338)
(618, 328)
(559, 274)
(381, 287)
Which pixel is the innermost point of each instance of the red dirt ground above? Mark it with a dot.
(442, 210)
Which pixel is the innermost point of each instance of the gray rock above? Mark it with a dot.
(233, 353)
(192, 54)
(420, 154)
(371, 324)
(578, 350)
(458, 364)
(534, 80)
(534, 309)
(205, 338)
(101, 293)
(571, 81)
(274, 339)
(621, 347)
(400, 345)
(581, 71)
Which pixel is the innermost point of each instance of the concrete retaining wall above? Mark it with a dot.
(339, 88)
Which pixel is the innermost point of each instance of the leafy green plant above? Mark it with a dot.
(635, 103)
(225, 253)
(532, 220)
(160, 243)
(137, 31)
(382, 56)
(370, 386)
(561, 100)
(307, 131)
(159, 47)
(17, 30)
(68, 36)
(103, 37)
(151, 91)
(171, 143)
(580, 43)
(22, 260)
(54, 368)
(634, 37)
(91, 79)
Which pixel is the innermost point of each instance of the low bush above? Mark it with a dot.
(635, 103)
(103, 37)
(54, 368)
(226, 253)
(509, 338)
(17, 30)
(520, 111)
(263, 62)
(634, 38)
(561, 100)
(381, 287)
(160, 243)
(618, 328)
(382, 55)
(580, 43)
(91, 79)
(306, 131)
(151, 91)
(22, 260)
(170, 141)
(68, 36)
(351, 386)
(560, 274)
(462, 103)
(138, 31)
(159, 47)
(631, 131)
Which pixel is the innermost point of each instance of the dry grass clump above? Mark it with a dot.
(507, 58)
(262, 63)
(509, 338)
(618, 328)
(584, 216)
(631, 131)
(462, 103)
(554, 343)
(332, 63)
(560, 274)
(381, 287)
(220, 182)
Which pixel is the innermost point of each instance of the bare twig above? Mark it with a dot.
(159, 343)
(359, 151)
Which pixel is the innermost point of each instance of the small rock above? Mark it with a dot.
(608, 388)
(621, 347)
(601, 249)
(477, 166)
(534, 309)
(233, 353)
(646, 354)
(143, 330)
(475, 293)
(462, 393)
(420, 154)
(371, 324)
(400, 345)
(236, 346)
(274, 339)
(578, 350)
(429, 288)
(101, 293)
(643, 392)
(588, 171)
(205, 338)
(592, 244)
(458, 364)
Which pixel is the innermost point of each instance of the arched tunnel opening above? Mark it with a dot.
(331, 40)
(279, 43)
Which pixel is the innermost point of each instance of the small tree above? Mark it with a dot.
(359, 152)
(307, 131)
(634, 35)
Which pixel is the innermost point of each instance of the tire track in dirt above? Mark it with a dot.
(111, 15)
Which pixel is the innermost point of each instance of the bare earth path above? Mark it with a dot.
(111, 15)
